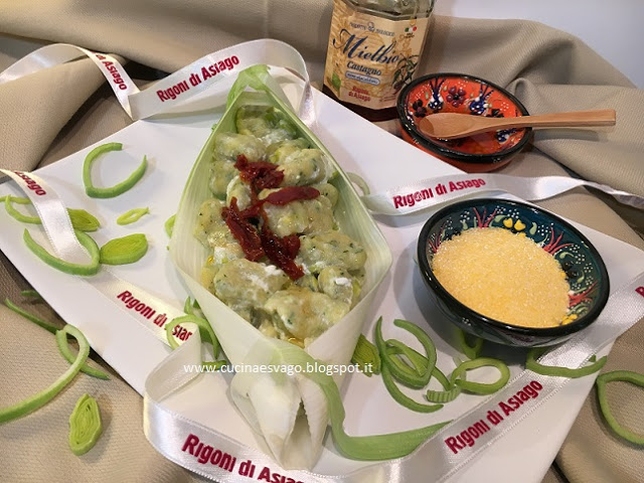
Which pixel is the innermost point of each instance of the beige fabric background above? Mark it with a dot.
(51, 114)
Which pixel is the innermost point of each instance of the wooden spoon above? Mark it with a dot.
(450, 125)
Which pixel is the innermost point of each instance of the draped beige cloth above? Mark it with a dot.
(51, 114)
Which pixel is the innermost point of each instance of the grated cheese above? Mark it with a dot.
(504, 276)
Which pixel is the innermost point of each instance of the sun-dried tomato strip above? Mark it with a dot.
(291, 193)
(281, 251)
(244, 231)
(259, 174)
(253, 214)
(291, 245)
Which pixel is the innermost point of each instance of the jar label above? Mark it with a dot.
(369, 58)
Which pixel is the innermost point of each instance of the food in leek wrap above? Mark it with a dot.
(276, 247)
(279, 258)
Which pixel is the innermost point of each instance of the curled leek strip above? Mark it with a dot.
(38, 400)
(8, 200)
(205, 331)
(558, 371)
(118, 189)
(366, 356)
(365, 448)
(395, 369)
(480, 387)
(402, 372)
(84, 425)
(168, 226)
(402, 398)
(449, 392)
(601, 382)
(132, 216)
(419, 375)
(441, 378)
(72, 268)
(61, 339)
(443, 397)
(191, 307)
(188, 308)
(63, 347)
(81, 219)
(29, 316)
(30, 293)
(415, 371)
(471, 351)
(124, 250)
(426, 342)
(417, 360)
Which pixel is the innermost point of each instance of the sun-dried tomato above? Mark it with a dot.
(291, 245)
(254, 213)
(244, 231)
(282, 251)
(291, 193)
(259, 174)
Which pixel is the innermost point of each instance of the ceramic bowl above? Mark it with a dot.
(584, 268)
(464, 94)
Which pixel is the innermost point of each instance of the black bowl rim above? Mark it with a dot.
(441, 292)
(408, 126)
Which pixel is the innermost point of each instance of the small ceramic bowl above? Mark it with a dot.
(464, 94)
(585, 270)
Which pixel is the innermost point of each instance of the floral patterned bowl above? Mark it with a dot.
(464, 94)
(584, 268)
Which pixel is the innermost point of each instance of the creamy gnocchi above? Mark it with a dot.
(278, 257)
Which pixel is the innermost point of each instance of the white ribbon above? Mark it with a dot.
(176, 89)
(53, 214)
(432, 192)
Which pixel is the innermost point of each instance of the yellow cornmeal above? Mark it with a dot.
(504, 276)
